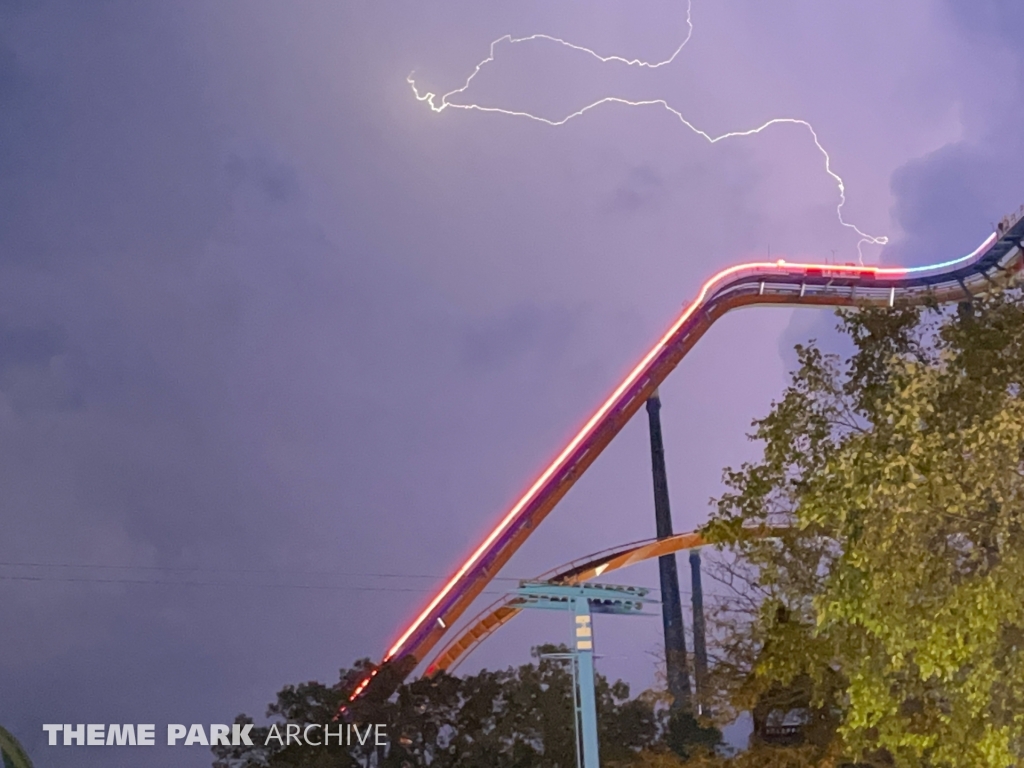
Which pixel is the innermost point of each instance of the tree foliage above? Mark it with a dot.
(880, 540)
(12, 755)
(756, 757)
(514, 718)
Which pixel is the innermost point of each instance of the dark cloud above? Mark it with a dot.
(275, 180)
(107, 142)
(9, 78)
(37, 369)
(947, 202)
(263, 316)
(995, 19)
(643, 187)
(950, 199)
(497, 341)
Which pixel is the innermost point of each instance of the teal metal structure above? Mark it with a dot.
(583, 600)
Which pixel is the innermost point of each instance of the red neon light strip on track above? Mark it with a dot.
(764, 268)
(600, 414)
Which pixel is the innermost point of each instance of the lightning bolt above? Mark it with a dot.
(445, 101)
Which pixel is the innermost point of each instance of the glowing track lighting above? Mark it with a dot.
(630, 380)
(853, 276)
(757, 271)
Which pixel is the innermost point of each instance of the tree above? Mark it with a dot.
(887, 555)
(12, 755)
(756, 757)
(686, 736)
(684, 733)
(513, 718)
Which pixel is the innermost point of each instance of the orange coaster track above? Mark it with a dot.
(778, 283)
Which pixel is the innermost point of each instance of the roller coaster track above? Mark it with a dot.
(777, 283)
(506, 608)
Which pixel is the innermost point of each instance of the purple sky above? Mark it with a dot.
(270, 325)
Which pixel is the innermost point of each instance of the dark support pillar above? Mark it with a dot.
(676, 665)
(700, 648)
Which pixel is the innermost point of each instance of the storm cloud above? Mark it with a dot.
(278, 344)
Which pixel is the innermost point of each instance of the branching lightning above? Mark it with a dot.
(445, 101)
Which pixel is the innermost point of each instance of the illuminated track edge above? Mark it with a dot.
(779, 283)
(578, 571)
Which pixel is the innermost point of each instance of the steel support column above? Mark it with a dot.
(700, 649)
(676, 666)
